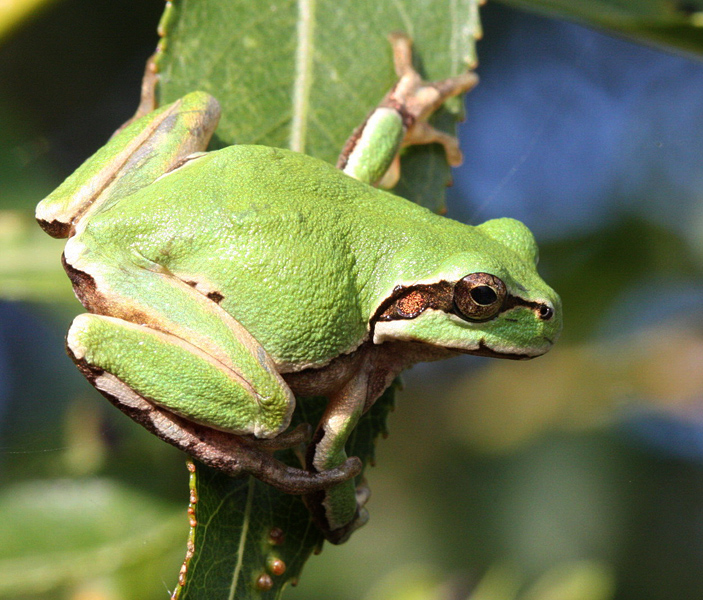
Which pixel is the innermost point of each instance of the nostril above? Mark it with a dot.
(546, 312)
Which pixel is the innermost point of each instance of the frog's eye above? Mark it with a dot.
(479, 296)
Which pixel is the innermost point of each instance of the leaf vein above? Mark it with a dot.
(303, 74)
(242, 539)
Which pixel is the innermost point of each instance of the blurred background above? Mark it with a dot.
(578, 476)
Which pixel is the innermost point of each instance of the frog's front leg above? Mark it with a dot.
(339, 510)
(155, 340)
(371, 153)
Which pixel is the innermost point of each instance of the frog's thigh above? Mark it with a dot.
(167, 371)
(156, 298)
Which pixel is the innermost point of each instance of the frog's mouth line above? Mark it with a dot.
(484, 350)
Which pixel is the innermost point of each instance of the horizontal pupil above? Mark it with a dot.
(484, 295)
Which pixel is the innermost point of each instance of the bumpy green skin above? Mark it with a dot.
(208, 283)
(200, 389)
(302, 254)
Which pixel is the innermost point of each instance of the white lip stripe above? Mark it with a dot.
(393, 331)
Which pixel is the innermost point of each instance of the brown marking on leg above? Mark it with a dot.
(214, 295)
(200, 284)
(350, 144)
(85, 288)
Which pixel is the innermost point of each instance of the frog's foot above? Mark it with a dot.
(257, 460)
(339, 510)
(322, 503)
(363, 493)
(341, 535)
(289, 439)
(415, 98)
(400, 120)
(361, 517)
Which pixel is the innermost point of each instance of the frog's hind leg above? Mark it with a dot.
(173, 373)
(338, 511)
(143, 294)
(160, 365)
(155, 337)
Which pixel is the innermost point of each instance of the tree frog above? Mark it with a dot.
(222, 284)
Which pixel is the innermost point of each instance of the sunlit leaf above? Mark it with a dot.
(244, 525)
(302, 75)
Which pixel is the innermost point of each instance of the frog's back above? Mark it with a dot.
(286, 242)
(263, 229)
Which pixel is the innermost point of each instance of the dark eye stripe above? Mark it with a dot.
(408, 302)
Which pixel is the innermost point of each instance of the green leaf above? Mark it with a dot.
(300, 75)
(243, 525)
(676, 24)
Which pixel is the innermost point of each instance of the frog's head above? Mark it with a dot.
(487, 300)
